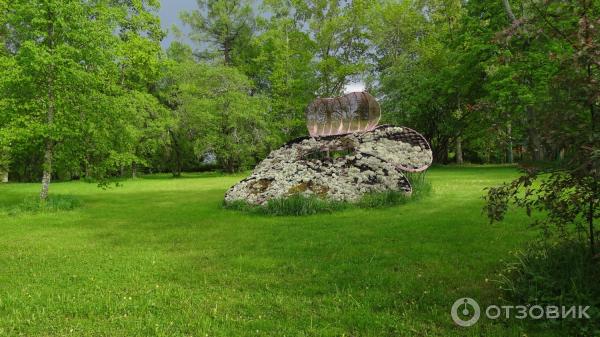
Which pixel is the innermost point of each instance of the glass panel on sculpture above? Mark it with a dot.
(354, 112)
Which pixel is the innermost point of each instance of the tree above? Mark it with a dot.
(222, 24)
(339, 33)
(419, 76)
(3, 12)
(63, 82)
(282, 68)
(4, 143)
(567, 191)
(141, 61)
(217, 115)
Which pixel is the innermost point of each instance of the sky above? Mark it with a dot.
(169, 16)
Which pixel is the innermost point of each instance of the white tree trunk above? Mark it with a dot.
(509, 12)
(48, 153)
(459, 152)
(47, 175)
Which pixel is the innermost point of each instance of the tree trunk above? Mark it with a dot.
(48, 153)
(227, 52)
(509, 150)
(592, 205)
(459, 152)
(509, 12)
(47, 175)
(177, 167)
(175, 156)
(133, 170)
(590, 219)
(88, 171)
(534, 145)
(440, 151)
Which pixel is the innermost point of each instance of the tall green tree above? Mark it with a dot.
(566, 191)
(338, 30)
(141, 61)
(215, 114)
(63, 83)
(417, 70)
(4, 143)
(282, 68)
(224, 26)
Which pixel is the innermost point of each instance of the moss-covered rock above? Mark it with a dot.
(341, 168)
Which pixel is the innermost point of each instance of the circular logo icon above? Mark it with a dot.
(465, 311)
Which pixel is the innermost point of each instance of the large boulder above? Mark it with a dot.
(338, 167)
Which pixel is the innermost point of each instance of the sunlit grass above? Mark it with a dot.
(33, 205)
(161, 257)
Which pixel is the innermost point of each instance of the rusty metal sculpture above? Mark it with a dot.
(354, 112)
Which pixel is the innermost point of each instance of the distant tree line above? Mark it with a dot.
(87, 92)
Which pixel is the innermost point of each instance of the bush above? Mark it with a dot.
(558, 274)
(54, 203)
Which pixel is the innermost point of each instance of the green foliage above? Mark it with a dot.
(568, 201)
(565, 190)
(431, 74)
(34, 205)
(67, 82)
(281, 65)
(217, 114)
(460, 72)
(556, 273)
(338, 31)
(226, 25)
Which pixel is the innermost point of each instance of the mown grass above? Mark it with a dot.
(161, 257)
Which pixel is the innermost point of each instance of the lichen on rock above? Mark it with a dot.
(339, 167)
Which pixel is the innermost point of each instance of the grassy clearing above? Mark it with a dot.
(161, 257)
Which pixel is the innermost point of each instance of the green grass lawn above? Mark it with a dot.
(161, 257)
